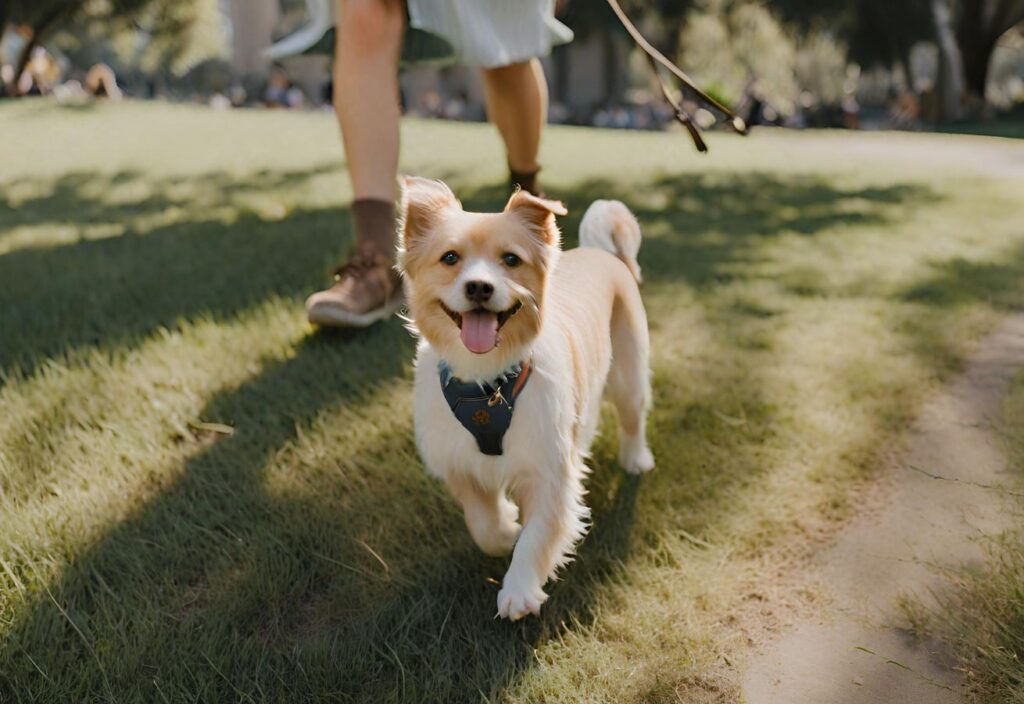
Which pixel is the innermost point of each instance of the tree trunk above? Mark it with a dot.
(23, 58)
(977, 55)
(950, 86)
(981, 24)
(975, 45)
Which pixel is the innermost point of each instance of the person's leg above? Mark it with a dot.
(369, 42)
(366, 101)
(517, 104)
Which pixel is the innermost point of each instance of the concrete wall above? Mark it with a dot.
(252, 29)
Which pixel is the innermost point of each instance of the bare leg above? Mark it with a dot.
(366, 100)
(554, 519)
(517, 104)
(490, 516)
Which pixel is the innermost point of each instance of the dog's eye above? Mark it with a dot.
(450, 258)
(511, 259)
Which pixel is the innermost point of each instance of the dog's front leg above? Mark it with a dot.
(490, 516)
(554, 518)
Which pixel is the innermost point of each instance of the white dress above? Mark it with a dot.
(485, 33)
(490, 33)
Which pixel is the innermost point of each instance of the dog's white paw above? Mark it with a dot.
(638, 460)
(515, 602)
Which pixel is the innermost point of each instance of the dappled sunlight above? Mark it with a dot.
(798, 320)
(49, 235)
(124, 419)
(108, 293)
(88, 203)
(180, 501)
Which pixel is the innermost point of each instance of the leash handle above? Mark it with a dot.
(655, 58)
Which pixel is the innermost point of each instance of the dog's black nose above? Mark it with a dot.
(479, 291)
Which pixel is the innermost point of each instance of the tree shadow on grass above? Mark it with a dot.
(955, 284)
(81, 197)
(222, 588)
(109, 293)
(365, 585)
(707, 226)
(960, 281)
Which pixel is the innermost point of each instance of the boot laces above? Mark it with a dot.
(360, 261)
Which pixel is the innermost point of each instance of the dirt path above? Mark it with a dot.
(847, 655)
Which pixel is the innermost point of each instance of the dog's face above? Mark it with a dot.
(475, 282)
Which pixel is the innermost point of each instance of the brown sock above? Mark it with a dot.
(374, 221)
(527, 180)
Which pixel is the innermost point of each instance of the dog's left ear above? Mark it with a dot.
(424, 204)
(537, 213)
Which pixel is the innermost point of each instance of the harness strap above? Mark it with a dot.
(485, 410)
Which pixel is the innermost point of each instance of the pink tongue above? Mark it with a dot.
(479, 331)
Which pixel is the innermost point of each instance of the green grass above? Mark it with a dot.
(805, 293)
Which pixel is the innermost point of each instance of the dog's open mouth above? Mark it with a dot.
(479, 327)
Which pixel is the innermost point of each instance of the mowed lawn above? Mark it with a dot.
(806, 291)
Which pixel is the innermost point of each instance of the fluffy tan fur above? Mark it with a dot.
(579, 319)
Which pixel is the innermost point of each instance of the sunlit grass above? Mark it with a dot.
(805, 293)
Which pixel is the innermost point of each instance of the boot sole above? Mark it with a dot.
(341, 318)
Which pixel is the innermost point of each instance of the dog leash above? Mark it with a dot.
(655, 58)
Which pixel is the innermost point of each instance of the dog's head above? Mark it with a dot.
(475, 282)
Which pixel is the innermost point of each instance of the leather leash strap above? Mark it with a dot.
(682, 114)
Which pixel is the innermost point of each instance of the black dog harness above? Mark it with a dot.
(484, 409)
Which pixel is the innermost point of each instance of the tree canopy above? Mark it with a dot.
(164, 34)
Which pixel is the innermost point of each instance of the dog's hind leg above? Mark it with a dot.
(629, 382)
(554, 519)
(490, 516)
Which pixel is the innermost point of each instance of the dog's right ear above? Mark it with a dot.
(538, 214)
(424, 204)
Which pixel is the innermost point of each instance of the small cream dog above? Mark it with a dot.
(518, 341)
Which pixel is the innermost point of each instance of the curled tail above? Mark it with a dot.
(609, 225)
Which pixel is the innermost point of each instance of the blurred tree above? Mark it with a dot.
(41, 17)
(735, 47)
(877, 32)
(950, 86)
(883, 31)
(980, 24)
(164, 33)
(171, 35)
(661, 21)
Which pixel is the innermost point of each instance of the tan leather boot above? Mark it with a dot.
(367, 289)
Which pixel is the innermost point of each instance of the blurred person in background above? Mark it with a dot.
(100, 82)
(504, 39)
(276, 94)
